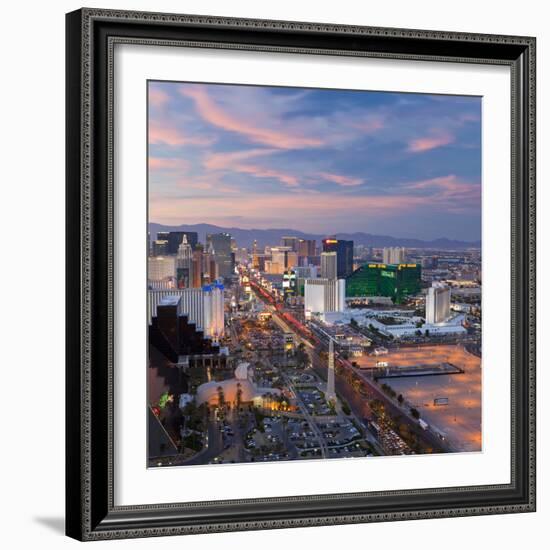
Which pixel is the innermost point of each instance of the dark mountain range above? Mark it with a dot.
(245, 237)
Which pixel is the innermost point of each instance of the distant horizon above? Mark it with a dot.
(318, 235)
(275, 157)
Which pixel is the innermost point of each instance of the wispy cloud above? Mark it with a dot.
(263, 172)
(157, 97)
(227, 160)
(450, 192)
(217, 116)
(315, 158)
(308, 208)
(369, 124)
(427, 143)
(162, 132)
(340, 179)
(161, 163)
(238, 161)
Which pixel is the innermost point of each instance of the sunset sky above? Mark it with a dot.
(319, 161)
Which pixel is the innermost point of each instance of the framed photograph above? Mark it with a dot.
(300, 274)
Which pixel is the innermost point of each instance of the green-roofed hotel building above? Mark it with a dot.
(394, 281)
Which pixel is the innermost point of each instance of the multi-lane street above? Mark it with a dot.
(427, 438)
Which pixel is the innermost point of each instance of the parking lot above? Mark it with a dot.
(459, 419)
(314, 400)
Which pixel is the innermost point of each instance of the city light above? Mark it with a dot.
(308, 294)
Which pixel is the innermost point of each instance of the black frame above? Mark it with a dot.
(91, 36)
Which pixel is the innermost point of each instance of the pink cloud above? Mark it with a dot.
(449, 191)
(261, 172)
(160, 163)
(163, 133)
(201, 185)
(221, 161)
(369, 125)
(158, 98)
(450, 184)
(236, 161)
(438, 139)
(228, 189)
(287, 207)
(339, 179)
(215, 115)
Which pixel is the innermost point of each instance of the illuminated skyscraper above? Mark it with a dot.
(198, 263)
(175, 238)
(324, 295)
(394, 281)
(438, 304)
(291, 260)
(213, 301)
(306, 248)
(207, 257)
(344, 251)
(255, 260)
(184, 264)
(190, 303)
(204, 307)
(284, 256)
(329, 269)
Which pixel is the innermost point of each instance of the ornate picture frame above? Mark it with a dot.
(92, 35)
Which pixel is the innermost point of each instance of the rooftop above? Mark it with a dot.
(169, 301)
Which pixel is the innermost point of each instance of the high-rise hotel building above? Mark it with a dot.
(204, 307)
(324, 295)
(213, 304)
(161, 267)
(306, 248)
(184, 264)
(344, 255)
(329, 267)
(438, 304)
(393, 255)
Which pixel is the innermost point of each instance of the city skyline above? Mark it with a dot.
(265, 157)
(275, 231)
(313, 274)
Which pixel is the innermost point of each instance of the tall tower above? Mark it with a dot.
(184, 264)
(329, 269)
(331, 392)
(255, 260)
(344, 251)
(438, 304)
(224, 255)
(196, 280)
